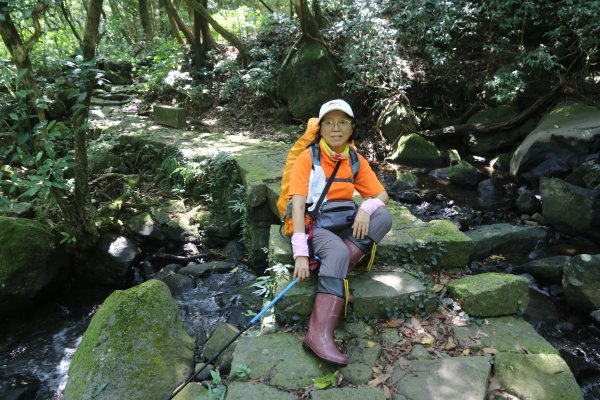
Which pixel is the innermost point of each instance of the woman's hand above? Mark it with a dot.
(301, 268)
(360, 227)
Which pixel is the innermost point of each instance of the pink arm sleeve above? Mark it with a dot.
(371, 205)
(299, 244)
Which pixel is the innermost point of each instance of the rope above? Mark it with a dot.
(346, 295)
(372, 259)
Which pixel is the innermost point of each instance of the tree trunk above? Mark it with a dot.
(146, 18)
(228, 36)
(208, 41)
(172, 13)
(79, 212)
(308, 22)
(20, 52)
(69, 19)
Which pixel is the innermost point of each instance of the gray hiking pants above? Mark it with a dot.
(332, 250)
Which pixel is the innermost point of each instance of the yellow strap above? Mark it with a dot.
(347, 295)
(372, 259)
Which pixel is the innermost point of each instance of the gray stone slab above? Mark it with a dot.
(170, 116)
(258, 391)
(536, 376)
(361, 393)
(491, 294)
(498, 237)
(279, 360)
(377, 294)
(505, 334)
(463, 378)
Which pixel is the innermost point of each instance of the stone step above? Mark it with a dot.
(415, 245)
(376, 294)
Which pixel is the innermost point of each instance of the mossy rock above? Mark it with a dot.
(491, 294)
(134, 348)
(30, 261)
(536, 376)
(416, 150)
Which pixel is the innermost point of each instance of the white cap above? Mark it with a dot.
(332, 105)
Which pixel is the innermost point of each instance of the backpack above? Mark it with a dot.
(307, 140)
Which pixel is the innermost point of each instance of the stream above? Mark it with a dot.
(36, 349)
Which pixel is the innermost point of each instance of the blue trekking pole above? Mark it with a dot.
(252, 322)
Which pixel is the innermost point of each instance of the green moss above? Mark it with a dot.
(415, 149)
(24, 243)
(135, 347)
(536, 376)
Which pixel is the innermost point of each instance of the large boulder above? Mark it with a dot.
(496, 141)
(30, 261)
(566, 137)
(111, 261)
(581, 281)
(499, 237)
(583, 205)
(309, 79)
(396, 120)
(135, 347)
(416, 150)
(465, 174)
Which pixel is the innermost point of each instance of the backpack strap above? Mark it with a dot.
(315, 152)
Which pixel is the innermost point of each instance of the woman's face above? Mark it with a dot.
(336, 129)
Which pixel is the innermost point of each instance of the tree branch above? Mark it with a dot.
(455, 131)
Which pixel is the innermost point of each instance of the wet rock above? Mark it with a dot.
(167, 270)
(496, 237)
(197, 270)
(405, 181)
(491, 294)
(595, 316)
(527, 203)
(562, 140)
(30, 262)
(178, 284)
(135, 347)
(554, 380)
(409, 197)
(582, 205)
(490, 191)
(548, 269)
(222, 334)
(465, 174)
(581, 282)
(501, 162)
(111, 261)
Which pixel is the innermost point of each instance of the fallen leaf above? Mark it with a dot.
(438, 287)
(387, 392)
(325, 381)
(371, 344)
(450, 346)
(490, 350)
(458, 321)
(378, 380)
(497, 257)
(427, 340)
(394, 323)
(466, 352)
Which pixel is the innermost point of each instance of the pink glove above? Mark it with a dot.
(299, 244)
(371, 205)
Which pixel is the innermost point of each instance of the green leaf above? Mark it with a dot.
(325, 381)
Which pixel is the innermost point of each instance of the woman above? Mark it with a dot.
(339, 252)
